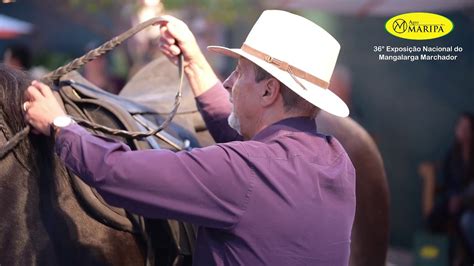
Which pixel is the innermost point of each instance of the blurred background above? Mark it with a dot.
(411, 109)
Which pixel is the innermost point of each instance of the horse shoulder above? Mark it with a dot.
(371, 225)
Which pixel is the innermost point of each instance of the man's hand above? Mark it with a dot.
(41, 107)
(177, 38)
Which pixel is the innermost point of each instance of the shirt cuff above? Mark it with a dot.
(61, 138)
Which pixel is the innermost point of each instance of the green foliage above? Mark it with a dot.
(51, 60)
(177, 4)
(119, 66)
(223, 11)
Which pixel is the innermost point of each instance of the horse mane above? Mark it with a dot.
(13, 84)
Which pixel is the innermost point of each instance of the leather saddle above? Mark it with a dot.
(82, 99)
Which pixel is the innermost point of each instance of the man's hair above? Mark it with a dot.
(291, 100)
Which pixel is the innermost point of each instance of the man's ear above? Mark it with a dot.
(270, 91)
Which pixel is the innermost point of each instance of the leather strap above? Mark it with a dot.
(294, 71)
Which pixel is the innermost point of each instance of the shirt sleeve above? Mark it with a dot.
(215, 108)
(207, 186)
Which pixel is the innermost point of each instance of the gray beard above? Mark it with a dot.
(234, 122)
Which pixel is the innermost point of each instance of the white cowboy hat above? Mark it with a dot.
(297, 52)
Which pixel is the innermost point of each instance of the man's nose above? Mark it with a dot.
(228, 84)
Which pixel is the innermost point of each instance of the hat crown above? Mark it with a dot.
(296, 41)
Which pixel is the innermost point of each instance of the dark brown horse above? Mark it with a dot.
(370, 230)
(43, 222)
(50, 217)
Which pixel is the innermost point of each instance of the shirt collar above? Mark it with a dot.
(292, 124)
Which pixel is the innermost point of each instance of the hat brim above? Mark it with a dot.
(318, 96)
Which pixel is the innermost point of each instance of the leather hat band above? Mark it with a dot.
(294, 71)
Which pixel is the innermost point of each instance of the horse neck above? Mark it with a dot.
(33, 191)
(22, 230)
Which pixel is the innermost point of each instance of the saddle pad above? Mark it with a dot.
(75, 98)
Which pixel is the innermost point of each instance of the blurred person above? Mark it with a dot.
(273, 191)
(458, 173)
(449, 207)
(17, 56)
(97, 72)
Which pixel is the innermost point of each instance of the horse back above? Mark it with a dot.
(370, 230)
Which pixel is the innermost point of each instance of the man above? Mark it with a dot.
(285, 196)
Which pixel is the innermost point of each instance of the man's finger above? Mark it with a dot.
(175, 50)
(170, 51)
(25, 106)
(172, 58)
(165, 49)
(43, 88)
(33, 93)
(178, 30)
(169, 18)
(161, 23)
(166, 37)
(27, 118)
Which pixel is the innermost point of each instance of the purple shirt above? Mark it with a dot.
(286, 197)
